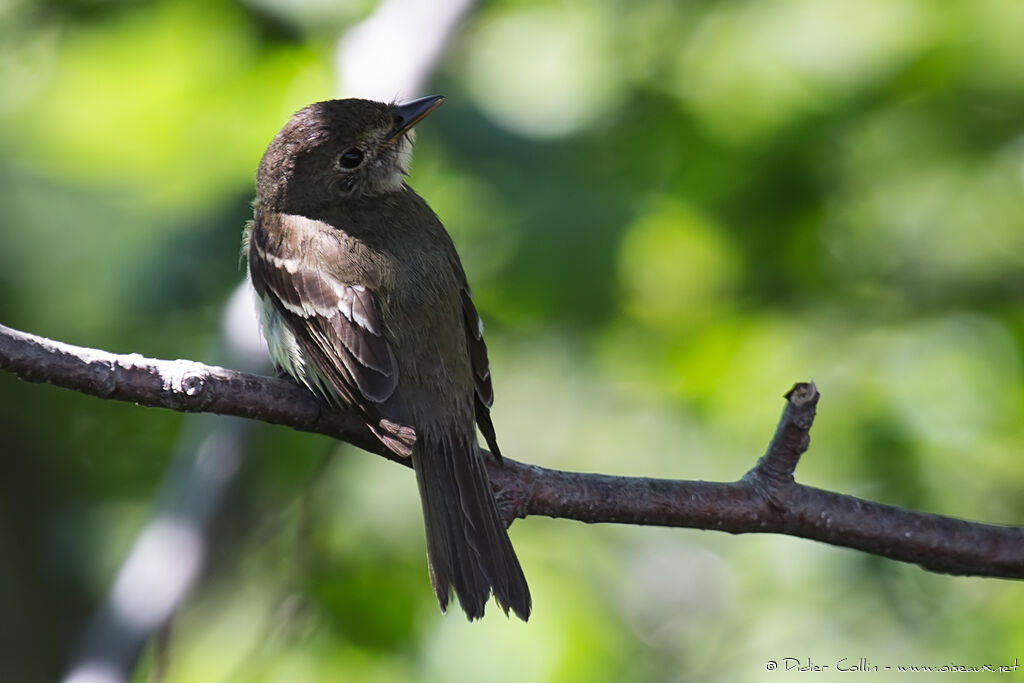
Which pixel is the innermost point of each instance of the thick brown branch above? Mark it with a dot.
(767, 500)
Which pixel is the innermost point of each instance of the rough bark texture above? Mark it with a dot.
(765, 500)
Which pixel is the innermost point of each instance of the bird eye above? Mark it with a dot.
(351, 158)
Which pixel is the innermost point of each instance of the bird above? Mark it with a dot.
(362, 298)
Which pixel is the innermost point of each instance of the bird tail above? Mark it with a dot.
(468, 548)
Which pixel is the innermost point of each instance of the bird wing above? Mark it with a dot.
(484, 394)
(337, 328)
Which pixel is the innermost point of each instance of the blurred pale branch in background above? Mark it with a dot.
(766, 500)
(389, 55)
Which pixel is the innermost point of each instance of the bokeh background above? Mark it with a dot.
(669, 212)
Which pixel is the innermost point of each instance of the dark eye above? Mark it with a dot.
(351, 158)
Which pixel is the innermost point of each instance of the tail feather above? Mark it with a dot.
(468, 548)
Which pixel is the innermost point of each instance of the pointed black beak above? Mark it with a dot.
(409, 114)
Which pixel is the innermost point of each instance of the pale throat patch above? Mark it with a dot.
(403, 161)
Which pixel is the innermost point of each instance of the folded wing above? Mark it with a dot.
(338, 331)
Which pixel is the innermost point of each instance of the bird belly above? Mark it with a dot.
(284, 348)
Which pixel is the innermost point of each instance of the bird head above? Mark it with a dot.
(338, 149)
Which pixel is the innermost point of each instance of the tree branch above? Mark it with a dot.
(765, 500)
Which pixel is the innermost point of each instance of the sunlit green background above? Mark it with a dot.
(669, 211)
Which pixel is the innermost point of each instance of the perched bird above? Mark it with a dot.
(363, 299)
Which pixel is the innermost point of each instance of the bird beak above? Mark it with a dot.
(409, 114)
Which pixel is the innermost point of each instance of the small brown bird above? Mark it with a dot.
(363, 299)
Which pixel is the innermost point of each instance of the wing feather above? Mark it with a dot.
(338, 329)
(481, 366)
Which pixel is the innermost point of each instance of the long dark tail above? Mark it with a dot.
(468, 548)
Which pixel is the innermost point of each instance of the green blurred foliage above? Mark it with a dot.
(670, 212)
